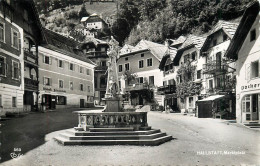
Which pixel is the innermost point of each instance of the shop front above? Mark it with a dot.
(250, 107)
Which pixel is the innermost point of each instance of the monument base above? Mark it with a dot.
(113, 104)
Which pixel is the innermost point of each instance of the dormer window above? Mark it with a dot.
(214, 42)
(225, 37)
(252, 35)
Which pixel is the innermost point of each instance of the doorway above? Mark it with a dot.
(250, 107)
(82, 103)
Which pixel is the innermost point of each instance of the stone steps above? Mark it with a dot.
(110, 129)
(113, 137)
(150, 137)
(253, 125)
(84, 133)
(146, 142)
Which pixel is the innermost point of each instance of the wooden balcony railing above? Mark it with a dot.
(166, 89)
(214, 67)
(96, 54)
(102, 68)
(31, 84)
(29, 56)
(112, 119)
(136, 87)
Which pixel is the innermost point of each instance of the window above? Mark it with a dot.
(142, 55)
(61, 100)
(71, 66)
(198, 74)
(120, 68)
(81, 69)
(13, 101)
(103, 82)
(2, 66)
(2, 32)
(186, 58)
(127, 67)
(15, 70)
(15, 39)
(151, 80)
(103, 63)
(46, 60)
(60, 83)
(225, 37)
(252, 35)
(215, 42)
(141, 80)
(255, 69)
(210, 84)
(71, 85)
(190, 101)
(126, 59)
(88, 88)
(246, 104)
(141, 63)
(61, 64)
(194, 56)
(81, 87)
(164, 83)
(88, 71)
(150, 62)
(46, 81)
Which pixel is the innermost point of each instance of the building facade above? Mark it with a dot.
(139, 74)
(66, 76)
(245, 50)
(20, 33)
(219, 72)
(96, 51)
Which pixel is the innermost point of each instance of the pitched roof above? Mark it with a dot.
(126, 49)
(171, 53)
(63, 45)
(94, 40)
(158, 50)
(228, 26)
(243, 29)
(191, 41)
(178, 41)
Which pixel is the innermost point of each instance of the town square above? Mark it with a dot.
(128, 82)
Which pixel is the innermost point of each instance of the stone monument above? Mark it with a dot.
(112, 97)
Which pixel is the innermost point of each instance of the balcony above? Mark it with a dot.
(214, 67)
(166, 89)
(101, 68)
(31, 84)
(136, 87)
(168, 72)
(30, 57)
(96, 54)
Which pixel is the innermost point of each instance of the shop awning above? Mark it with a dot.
(212, 98)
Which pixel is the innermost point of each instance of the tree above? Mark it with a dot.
(83, 12)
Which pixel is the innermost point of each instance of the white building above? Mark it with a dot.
(66, 76)
(245, 48)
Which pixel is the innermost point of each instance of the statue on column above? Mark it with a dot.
(112, 89)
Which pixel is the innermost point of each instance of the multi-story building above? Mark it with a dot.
(96, 51)
(184, 68)
(93, 25)
(139, 74)
(20, 33)
(66, 76)
(218, 72)
(245, 50)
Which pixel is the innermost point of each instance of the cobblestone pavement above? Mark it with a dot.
(198, 142)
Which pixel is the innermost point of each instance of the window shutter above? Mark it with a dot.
(248, 72)
(50, 59)
(19, 70)
(12, 70)
(50, 81)
(19, 41)
(43, 81)
(6, 69)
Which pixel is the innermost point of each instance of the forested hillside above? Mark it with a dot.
(153, 20)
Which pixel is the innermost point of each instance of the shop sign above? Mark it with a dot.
(59, 90)
(48, 89)
(250, 87)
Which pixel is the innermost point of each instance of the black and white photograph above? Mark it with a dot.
(130, 82)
